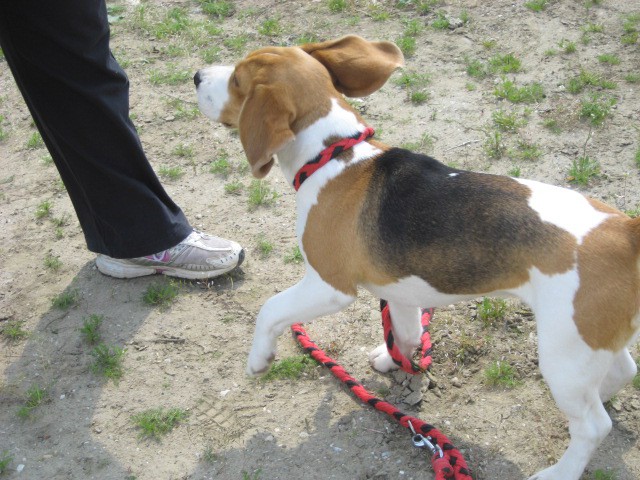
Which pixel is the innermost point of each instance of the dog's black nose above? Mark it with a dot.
(197, 79)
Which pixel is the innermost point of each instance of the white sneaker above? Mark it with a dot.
(197, 256)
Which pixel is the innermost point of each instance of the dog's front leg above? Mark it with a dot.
(312, 297)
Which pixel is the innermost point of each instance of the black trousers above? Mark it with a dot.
(78, 95)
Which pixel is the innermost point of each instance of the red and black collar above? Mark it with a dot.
(328, 154)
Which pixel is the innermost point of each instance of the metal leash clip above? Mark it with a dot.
(420, 441)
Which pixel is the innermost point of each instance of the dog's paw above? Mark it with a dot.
(546, 474)
(381, 360)
(259, 364)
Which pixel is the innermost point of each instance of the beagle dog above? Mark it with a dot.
(418, 233)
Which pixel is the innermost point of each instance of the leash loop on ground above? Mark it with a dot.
(446, 460)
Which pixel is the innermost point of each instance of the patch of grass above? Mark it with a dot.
(507, 63)
(209, 455)
(593, 28)
(337, 6)
(378, 13)
(66, 300)
(491, 310)
(251, 476)
(210, 54)
(407, 45)
(537, 5)
(221, 166)
(265, 247)
(602, 475)
(418, 98)
(184, 151)
(183, 110)
(261, 194)
(630, 28)
(5, 459)
(632, 78)
(51, 262)
(588, 79)
(43, 209)
(157, 422)
(233, 188)
(441, 22)
(636, 157)
(291, 368)
(160, 294)
(3, 132)
(412, 27)
(475, 68)
(424, 144)
(527, 151)
(493, 145)
(508, 90)
(170, 173)
(107, 361)
(13, 331)
(90, 326)
(414, 84)
(35, 141)
(636, 380)
(172, 76)
(270, 27)
(506, 121)
(552, 125)
(47, 159)
(596, 108)
(237, 43)
(295, 256)
(583, 169)
(501, 374)
(175, 22)
(35, 397)
(567, 46)
(217, 8)
(514, 172)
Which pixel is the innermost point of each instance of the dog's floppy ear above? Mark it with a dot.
(265, 127)
(358, 67)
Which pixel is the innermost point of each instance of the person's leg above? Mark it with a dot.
(58, 52)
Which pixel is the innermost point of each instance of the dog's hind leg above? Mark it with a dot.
(621, 372)
(312, 297)
(574, 372)
(407, 330)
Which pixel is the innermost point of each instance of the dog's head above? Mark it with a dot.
(275, 92)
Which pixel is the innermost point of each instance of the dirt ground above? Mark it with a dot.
(192, 354)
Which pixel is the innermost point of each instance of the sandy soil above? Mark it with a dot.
(192, 354)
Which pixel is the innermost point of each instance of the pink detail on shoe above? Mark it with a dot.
(163, 257)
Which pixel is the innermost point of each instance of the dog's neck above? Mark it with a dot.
(309, 142)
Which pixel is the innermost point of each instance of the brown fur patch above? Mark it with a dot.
(609, 295)
(331, 240)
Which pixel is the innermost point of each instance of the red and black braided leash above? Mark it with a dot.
(329, 154)
(447, 461)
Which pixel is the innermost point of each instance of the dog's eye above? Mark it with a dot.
(235, 80)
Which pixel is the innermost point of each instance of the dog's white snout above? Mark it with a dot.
(212, 89)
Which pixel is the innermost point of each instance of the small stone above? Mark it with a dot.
(616, 404)
(454, 22)
(455, 381)
(20, 467)
(413, 399)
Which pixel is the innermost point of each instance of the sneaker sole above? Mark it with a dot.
(118, 269)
